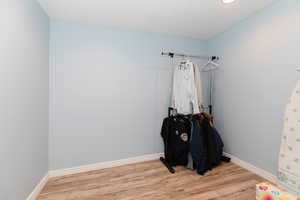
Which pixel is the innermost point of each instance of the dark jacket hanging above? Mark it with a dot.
(176, 133)
(206, 144)
(219, 145)
(213, 155)
(198, 147)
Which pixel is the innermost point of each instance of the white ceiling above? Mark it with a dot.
(194, 18)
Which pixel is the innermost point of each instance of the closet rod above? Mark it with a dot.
(171, 54)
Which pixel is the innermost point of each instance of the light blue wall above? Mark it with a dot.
(257, 75)
(24, 72)
(109, 91)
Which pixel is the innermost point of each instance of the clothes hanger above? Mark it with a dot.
(183, 62)
(207, 67)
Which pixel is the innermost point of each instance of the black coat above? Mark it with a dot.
(214, 146)
(206, 146)
(176, 133)
(198, 147)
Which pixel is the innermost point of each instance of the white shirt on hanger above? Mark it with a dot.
(184, 98)
(198, 85)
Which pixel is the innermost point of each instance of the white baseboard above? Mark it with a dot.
(36, 191)
(103, 165)
(261, 172)
(85, 168)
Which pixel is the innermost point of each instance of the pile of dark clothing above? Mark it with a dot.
(192, 141)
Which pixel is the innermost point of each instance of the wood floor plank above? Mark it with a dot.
(152, 181)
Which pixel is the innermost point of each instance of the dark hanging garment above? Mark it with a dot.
(212, 155)
(195, 135)
(198, 147)
(214, 147)
(176, 133)
(219, 145)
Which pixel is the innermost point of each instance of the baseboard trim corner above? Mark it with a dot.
(38, 188)
(104, 165)
(261, 172)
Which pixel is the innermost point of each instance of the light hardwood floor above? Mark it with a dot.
(152, 181)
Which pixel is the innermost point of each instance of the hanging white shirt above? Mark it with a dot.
(184, 98)
(198, 85)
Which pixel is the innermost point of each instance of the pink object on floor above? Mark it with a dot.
(268, 191)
